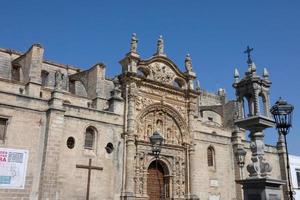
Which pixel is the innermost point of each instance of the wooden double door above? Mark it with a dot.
(157, 182)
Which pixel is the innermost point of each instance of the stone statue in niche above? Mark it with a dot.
(168, 134)
(159, 126)
(149, 131)
(59, 78)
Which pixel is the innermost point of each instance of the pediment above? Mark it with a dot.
(163, 70)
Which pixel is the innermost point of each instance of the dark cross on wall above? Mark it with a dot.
(90, 168)
(248, 51)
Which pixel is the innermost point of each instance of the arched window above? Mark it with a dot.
(210, 157)
(90, 136)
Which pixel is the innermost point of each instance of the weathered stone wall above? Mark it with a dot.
(24, 131)
(218, 180)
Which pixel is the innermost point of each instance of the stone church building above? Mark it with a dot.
(87, 135)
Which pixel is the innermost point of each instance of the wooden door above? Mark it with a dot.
(156, 184)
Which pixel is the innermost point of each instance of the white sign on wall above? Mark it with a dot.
(13, 165)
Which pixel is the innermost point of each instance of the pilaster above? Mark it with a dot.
(50, 185)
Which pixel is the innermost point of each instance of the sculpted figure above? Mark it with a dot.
(133, 44)
(188, 63)
(58, 80)
(160, 45)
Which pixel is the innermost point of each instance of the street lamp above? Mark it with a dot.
(240, 155)
(282, 112)
(156, 141)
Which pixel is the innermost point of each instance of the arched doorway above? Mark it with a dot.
(158, 181)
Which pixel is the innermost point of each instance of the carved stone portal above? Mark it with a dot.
(164, 120)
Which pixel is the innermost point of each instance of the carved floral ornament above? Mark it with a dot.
(165, 120)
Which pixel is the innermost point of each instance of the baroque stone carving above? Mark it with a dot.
(161, 73)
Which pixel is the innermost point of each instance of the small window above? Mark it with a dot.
(298, 177)
(109, 147)
(3, 124)
(210, 119)
(70, 142)
(210, 157)
(15, 73)
(44, 76)
(89, 138)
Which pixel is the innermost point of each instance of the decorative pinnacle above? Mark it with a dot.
(188, 63)
(248, 52)
(266, 74)
(133, 44)
(236, 73)
(160, 46)
(198, 85)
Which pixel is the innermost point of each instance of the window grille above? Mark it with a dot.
(210, 157)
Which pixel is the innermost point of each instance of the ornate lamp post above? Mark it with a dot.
(282, 112)
(156, 141)
(240, 155)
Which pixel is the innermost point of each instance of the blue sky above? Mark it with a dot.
(215, 33)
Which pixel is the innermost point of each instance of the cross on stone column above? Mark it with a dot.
(90, 168)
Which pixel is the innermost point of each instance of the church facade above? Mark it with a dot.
(87, 136)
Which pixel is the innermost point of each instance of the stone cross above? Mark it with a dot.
(89, 168)
(248, 51)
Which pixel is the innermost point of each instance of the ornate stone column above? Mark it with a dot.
(130, 145)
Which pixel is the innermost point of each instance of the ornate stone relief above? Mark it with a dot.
(179, 179)
(142, 102)
(176, 169)
(161, 73)
(163, 123)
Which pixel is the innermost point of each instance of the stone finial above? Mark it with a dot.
(133, 44)
(266, 74)
(236, 75)
(188, 63)
(251, 68)
(160, 46)
(198, 85)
